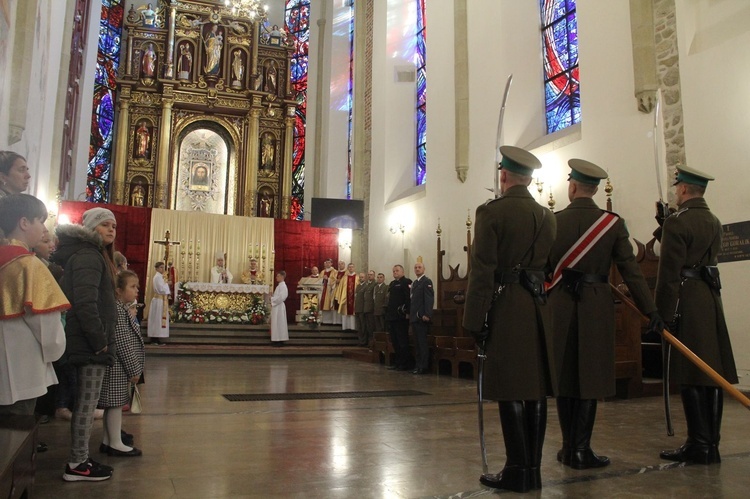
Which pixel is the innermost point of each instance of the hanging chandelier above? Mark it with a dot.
(253, 9)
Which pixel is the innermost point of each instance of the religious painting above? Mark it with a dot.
(203, 166)
(142, 140)
(267, 152)
(200, 176)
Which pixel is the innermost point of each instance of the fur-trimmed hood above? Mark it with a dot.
(73, 238)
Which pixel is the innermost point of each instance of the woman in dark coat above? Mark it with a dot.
(86, 253)
(126, 368)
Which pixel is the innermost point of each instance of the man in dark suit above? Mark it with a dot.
(420, 315)
(380, 297)
(687, 294)
(588, 240)
(359, 309)
(397, 315)
(512, 240)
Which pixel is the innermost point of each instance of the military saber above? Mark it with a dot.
(499, 138)
(699, 363)
(480, 409)
(666, 359)
(662, 207)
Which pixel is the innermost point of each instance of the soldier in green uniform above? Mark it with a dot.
(687, 294)
(588, 240)
(512, 240)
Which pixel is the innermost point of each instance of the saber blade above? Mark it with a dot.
(480, 409)
(499, 137)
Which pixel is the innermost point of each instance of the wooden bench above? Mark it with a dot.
(18, 440)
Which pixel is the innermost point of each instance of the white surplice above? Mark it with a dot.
(279, 328)
(157, 309)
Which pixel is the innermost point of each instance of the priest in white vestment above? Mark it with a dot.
(158, 312)
(279, 328)
(219, 273)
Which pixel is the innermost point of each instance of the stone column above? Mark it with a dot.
(461, 51)
(251, 160)
(119, 167)
(169, 72)
(162, 163)
(286, 177)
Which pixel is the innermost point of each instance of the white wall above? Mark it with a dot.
(504, 38)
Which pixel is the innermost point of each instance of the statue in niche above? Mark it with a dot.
(213, 43)
(138, 196)
(142, 141)
(238, 69)
(271, 77)
(185, 62)
(148, 62)
(267, 152)
(265, 204)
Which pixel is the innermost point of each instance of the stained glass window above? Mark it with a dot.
(561, 79)
(297, 19)
(350, 103)
(103, 112)
(420, 61)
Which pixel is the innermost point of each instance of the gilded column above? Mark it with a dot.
(169, 72)
(121, 148)
(162, 162)
(286, 178)
(251, 159)
(254, 70)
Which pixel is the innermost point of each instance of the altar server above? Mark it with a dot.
(279, 328)
(158, 313)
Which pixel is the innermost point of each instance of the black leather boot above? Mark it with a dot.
(515, 474)
(715, 397)
(581, 455)
(536, 422)
(698, 447)
(565, 407)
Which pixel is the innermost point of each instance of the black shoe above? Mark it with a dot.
(104, 448)
(134, 452)
(126, 438)
(392, 368)
(587, 458)
(90, 471)
(419, 371)
(41, 447)
(511, 478)
(100, 465)
(693, 453)
(403, 369)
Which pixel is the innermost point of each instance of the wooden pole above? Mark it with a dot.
(699, 363)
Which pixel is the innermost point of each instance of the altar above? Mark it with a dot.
(203, 302)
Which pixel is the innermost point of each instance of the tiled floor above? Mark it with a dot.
(196, 444)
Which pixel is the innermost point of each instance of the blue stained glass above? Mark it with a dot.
(560, 52)
(105, 84)
(420, 61)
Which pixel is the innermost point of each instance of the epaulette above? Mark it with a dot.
(492, 200)
(612, 213)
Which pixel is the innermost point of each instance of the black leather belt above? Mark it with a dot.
(594, 278)
(507, 277)
(691, 273)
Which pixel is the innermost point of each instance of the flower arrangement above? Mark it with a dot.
(256, 312)
(312, 317)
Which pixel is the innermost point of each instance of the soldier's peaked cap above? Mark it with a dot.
(519, 160)
(586, 172)
(692, 176)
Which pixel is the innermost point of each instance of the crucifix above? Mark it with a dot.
(167, 244)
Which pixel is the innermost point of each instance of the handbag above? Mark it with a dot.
(136, 407)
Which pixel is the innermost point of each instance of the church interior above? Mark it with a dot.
(209, 127)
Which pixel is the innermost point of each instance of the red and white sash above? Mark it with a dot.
(584, 244)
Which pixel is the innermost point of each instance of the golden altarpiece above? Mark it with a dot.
(206, 119)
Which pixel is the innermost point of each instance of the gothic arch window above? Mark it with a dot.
(560, 52)
(103, 112)
(420, 61)
(297, 20)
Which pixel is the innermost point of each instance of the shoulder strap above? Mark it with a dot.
(584, 244)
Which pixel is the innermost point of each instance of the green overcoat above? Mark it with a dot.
(517, 350)
(691, 238)
(584, 329)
